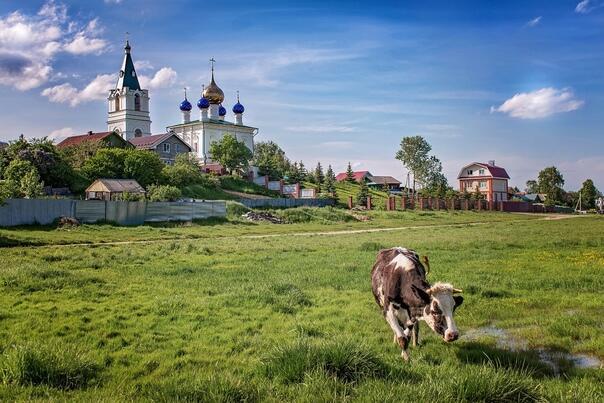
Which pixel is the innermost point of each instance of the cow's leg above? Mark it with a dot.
(415, 334)
(401, 335)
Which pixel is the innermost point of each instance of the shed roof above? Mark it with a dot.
(115, 185)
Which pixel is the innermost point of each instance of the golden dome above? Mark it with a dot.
(213, 93)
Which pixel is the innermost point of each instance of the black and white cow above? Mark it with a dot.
(399, 285)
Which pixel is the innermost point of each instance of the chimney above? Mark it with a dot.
(89, 132)
(492, 163)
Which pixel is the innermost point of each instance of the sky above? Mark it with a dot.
(518, 82)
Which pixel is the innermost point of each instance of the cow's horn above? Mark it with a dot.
(457, 291)
(426, 262)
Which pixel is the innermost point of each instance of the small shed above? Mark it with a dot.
(112, 189)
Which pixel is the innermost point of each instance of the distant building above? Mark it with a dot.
(109, 139)
(385, 182)
(167, 146)
(359, 176)
(112, 189)
(491, 180)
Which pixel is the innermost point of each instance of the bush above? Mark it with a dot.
(58, 367)
(163, 193)
(345, 361)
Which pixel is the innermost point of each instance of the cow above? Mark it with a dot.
(399, 285)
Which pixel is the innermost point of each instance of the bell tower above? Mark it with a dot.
(128, 104)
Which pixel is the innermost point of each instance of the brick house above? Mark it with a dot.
(167, 145)
(491, 180)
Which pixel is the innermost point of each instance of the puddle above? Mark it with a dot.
(550, 358)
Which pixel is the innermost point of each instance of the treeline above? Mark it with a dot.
(550, 182)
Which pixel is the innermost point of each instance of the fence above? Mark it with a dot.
(45, 211)
(431, 203)
(283, 203)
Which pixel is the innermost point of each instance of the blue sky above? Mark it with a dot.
(519, 82)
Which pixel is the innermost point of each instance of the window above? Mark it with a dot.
(483, 184)
(137, 102)
(481, 172)
(176, 148)
(117, 103)
(470, 172)
(166, 147)
(138, 133)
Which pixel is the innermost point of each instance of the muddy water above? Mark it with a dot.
(551, 358)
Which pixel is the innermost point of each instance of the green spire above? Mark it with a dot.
(127, 75)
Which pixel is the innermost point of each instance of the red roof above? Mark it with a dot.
(148, 142)
(358, 176)
(90, 136)
(495, 171)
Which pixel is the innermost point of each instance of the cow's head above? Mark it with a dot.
(438, 314)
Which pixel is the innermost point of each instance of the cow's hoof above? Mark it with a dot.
(403, 342)
(405, 355)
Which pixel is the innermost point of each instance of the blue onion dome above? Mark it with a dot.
(238, 108)
(221, 111)
(203, 103)
(185, 106)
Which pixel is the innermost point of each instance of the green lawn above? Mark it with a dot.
(217, 315)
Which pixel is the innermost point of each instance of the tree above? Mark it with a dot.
(532, 186)
(551, 182)
(363, 194)
(106, 163)
(270, 160)
(303, 172)
(232, 154)
(414, 154)
(144, 166)
(319, 175)
(21, 180)
(435, 181)
(330, 182)
(184, 172)
(349, 174)
(589, 193)
(293, 173)
(477, 195)
(163, 193)
(76, 155)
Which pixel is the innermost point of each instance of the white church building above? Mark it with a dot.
(129, 114)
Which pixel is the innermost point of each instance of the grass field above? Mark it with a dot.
(232, 311)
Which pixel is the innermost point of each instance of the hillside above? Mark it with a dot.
(224, 184)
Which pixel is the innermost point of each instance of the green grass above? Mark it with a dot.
(206, 193)
(345, 189)
(214, 315)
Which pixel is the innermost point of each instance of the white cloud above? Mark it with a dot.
(98, 88)
(587, 6)
(141, 65)
(534, 22)
(113, 1)
(60, 134)
(539, 104)
(325, 128)
(163, 78)
(30, 43)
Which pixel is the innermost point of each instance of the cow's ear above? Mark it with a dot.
(458, 301)
(421, 294)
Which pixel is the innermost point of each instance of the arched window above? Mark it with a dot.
(137, 102)
(138, 133)
(117, 103)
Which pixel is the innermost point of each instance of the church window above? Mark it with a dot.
(137, 102)
(117, 103)
(138, 133)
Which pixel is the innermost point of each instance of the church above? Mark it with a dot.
(129, 115)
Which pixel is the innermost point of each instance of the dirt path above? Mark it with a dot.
(549, 217)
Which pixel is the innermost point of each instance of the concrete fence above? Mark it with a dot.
(284, 203)
(45, 211)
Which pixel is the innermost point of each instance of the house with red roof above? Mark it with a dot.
(490, 180)
(109, 139)
(166, 145)
(358, 176)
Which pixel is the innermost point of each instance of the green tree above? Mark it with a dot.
(318, 174)
(349, 173)
(233, 155)
(270, 160)
(303, 172)
(551, 182)
(106, 163)
(163, 193)
(293, 173)
(144, 166)
(435, 182)
(184, 172)
(589, 193)
(532, 186)
(414, 154)
(21, 180)
(362, 194)
(76, 155)
(329, 185)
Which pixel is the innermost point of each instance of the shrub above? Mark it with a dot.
(345, 361)
(58, 367)
(163, 193)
